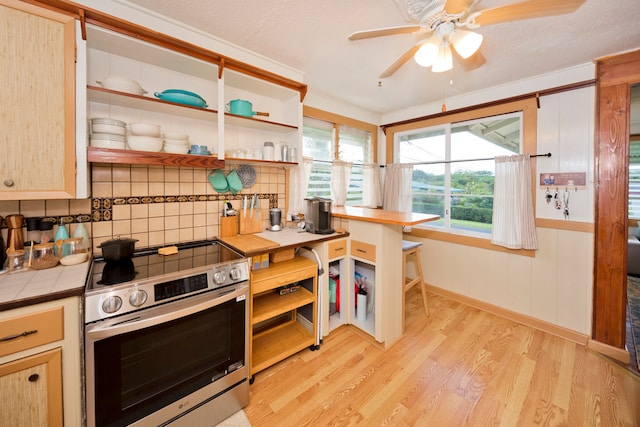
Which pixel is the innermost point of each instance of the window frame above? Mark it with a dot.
(528, 107)
(337, 121)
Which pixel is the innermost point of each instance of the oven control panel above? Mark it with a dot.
(116, 300)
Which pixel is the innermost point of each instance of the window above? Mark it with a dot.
(634, 179)
(328, 137)
(461, 192)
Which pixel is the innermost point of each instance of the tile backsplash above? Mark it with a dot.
(157, 205)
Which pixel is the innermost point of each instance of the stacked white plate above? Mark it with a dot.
(108, 133)
(176, 143)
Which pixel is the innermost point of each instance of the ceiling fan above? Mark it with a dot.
(439, 25)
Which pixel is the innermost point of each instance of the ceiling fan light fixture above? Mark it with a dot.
(466, 43)
(444, 61)
(428, 52)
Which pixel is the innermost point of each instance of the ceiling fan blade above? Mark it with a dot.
(401, 60)
(405, 29)
(476, 60)
(526, 10)
(454, 7)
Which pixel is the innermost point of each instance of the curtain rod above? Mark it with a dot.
(438, 161)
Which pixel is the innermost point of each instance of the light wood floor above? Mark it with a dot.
(459, 367)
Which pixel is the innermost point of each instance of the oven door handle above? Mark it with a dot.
(163, 314)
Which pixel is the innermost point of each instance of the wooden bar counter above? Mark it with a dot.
(376, 242)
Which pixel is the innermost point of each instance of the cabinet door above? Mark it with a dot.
(31, 390)
(38, 103)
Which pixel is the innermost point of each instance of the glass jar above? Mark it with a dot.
(44, 256)
(74, 245)
(46, 231)
(15, 260)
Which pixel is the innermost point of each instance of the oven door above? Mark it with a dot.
(153, 365)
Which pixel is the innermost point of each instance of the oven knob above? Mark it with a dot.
(112, 304)
(137, 298)
(234, 273)
(219, 277)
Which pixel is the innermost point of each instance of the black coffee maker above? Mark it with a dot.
(318, 218)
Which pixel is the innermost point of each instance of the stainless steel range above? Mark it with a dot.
(166, 339)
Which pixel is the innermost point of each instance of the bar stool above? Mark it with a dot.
(412, 248)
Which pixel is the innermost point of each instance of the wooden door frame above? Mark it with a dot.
(615, 76)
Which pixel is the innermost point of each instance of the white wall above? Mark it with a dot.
(555, 286)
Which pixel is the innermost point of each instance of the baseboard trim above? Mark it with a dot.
(619, 354)
(541, 325)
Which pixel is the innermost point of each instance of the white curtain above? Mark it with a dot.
(340, 177)
(513, 219)
(305, 175)
(372, 190)
(397, 187)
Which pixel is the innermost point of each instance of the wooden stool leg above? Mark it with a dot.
(423, 287)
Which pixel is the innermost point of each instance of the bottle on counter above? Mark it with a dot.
(33, 229)
(81, 232)
(46, 231)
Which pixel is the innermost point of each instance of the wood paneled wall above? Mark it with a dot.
(615, 76)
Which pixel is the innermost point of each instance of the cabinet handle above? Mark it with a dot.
(338, 249)
(8, 182)
(361, 250)
(13, 337)
(33, 378)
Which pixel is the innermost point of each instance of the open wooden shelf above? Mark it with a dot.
(108, 155)
(278, 343)
(271, 304)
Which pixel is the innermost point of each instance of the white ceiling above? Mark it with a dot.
(311, 36)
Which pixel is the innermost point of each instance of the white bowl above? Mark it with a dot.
(121, 84)
(176, 149)
(176, 142)
(74, 259)
(144, 129)
(107, 137)
(144, 143)
(112, 126)
(104, 143)
(176, 136)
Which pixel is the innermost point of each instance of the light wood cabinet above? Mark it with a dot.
(37, 106)
(282, 325)
(33, 388)
(40, 366)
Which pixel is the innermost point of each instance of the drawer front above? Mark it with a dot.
(363, 250)
(31, 330)
(337, 248)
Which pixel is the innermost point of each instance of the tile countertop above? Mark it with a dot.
(37, 286)
(289, 238)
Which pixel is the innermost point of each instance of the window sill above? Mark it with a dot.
(459, 239)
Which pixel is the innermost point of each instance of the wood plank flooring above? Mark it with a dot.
(459, 367)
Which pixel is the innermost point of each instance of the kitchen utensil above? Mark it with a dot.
(275, 219)
(182, 97)
(122, 84)
(218, 181)
(118, 249)
(244, 108)
(235, 185)
(247, 175)
(15, 239)
(144, 129)
(144, 143)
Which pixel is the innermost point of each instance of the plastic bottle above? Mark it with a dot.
(81, 231)
(62, 232)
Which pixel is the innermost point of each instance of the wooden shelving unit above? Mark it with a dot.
(274, 339)
(108, 155)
